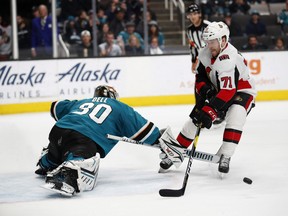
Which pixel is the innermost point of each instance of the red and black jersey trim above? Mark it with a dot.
(232, 135)
(144, 133)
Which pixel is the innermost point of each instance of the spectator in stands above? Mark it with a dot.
(154, 31)
(255, 26)
(120, 42)
(154, 47)
(253, 44)
(137, 7)
(279, 44)
(100, 19)
(222, 7)
(101, 16)
(82, 21)
(234, 26)
(283, 16)
(239, 7)
(85, 49)
(5, 39)
(133, 47)
(118, 23)
(110, 48)
(35, 12)
(140, 23)
(130, 30)
(24, 37)
(101, 36)
(71, 34)
(111, 10)
(41, 35)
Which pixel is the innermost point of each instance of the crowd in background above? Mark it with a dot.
(120, 27)
(262, 30)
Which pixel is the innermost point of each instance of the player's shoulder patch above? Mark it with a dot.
(224, 57)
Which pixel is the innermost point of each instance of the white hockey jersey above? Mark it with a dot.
(228, 73)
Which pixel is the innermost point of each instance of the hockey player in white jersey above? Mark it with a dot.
(78, 139)
(224, 84)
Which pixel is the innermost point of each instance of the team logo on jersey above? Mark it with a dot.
(223, 57)
(238, 98)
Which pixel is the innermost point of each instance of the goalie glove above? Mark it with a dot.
(170, 146)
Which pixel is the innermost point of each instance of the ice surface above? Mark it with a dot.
(128, 182)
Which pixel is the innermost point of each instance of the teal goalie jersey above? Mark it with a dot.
(96, 117)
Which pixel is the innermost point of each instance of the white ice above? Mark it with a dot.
(128, 182)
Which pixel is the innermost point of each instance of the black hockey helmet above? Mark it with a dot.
(193, 8)
(106, 91)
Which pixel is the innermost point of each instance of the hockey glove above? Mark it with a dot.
(204, 117)
(206, 92)
(211, 92)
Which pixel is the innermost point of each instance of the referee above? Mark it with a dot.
(194, 32)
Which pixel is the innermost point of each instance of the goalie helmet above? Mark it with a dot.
(216, 30)
(106, 91)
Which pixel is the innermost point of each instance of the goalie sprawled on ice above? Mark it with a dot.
(78, 139)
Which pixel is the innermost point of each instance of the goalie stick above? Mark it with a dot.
(181, 191)
(198, 155)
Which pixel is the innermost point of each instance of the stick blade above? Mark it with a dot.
(171, 192)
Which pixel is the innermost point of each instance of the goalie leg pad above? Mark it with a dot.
(74, 176)
(174, 151)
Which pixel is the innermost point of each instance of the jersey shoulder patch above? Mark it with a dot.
(223, 57)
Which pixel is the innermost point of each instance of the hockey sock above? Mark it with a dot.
(184, 141)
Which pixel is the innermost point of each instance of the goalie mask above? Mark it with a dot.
(106, 91)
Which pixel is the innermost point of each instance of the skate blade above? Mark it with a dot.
(222, 175)
(51, 187)
(161, 170)
(217, 126)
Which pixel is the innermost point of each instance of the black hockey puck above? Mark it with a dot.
(247, 180)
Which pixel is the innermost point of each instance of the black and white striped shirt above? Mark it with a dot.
(194, 35)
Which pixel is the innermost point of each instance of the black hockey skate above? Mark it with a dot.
(224, 164)
(165, 163)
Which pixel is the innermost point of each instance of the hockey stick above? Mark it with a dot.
(198, 155)
(181, 191)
